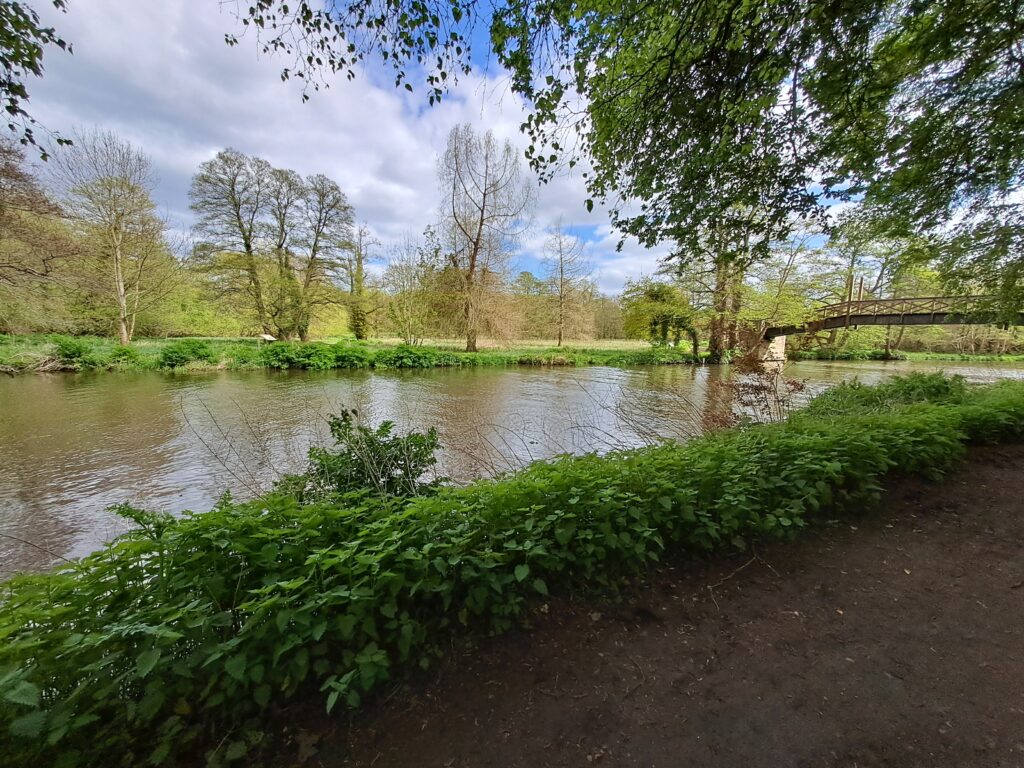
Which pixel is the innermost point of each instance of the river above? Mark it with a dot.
(71, 445)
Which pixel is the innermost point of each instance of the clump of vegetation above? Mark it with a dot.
(407, 356)
(182, 633)
(845, 353)
(185, 351)
(352, 356)
(74, 353)
(124, 356)
(856, 397)
(365, 458)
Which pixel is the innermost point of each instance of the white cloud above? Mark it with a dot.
(161, 76)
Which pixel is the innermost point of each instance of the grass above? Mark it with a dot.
(178, 642)
(50, 353)
(979, 358)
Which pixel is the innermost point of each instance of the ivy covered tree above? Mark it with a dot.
(660, 313)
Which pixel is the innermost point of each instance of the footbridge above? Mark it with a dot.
(923, 310)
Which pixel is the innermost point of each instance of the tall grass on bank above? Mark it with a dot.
(180, 639)
(64, 353)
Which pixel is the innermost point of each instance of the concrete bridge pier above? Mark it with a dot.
(771, 350)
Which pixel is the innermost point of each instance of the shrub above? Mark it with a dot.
(185, 351)
(280, 354)
(72, 351)
(855, 397)
(125, 356)
(315, 356)
(183, 632)
(405, 356)
(366, 459)
(350, 356)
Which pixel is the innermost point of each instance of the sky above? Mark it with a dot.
(160, 75)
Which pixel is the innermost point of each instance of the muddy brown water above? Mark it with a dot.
(71, 445)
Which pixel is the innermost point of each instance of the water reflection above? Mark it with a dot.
(71, 445)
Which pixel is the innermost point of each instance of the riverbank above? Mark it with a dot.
(875, 641)
(46, 354)
(191, 636)
(51, 354)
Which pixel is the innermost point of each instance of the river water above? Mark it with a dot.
(71, 445)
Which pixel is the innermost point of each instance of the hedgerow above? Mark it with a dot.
(186, 632)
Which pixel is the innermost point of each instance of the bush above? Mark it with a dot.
(124, 356)
(366, 459)
(846, 353)
(405, 356)
(855, 397)
(185, 631)
(73, 352)
(350, 356)
(185, 351)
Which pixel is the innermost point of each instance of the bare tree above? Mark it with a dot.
(409, 279)
(568, 275)
(485, 202)
(321, 244)
(272, 236)
(106, 184)
(231, 194)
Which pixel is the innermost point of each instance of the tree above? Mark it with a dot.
(689, 112)
(484, 202)
(660, 313)
(22, 42)
(410, 278)
(353, 270)
(324, 236)
(32, 241)
(568, 275)
(230, 195)
(106, 185)
(608, 318)
(272, 237)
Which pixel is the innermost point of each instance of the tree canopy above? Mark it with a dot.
(735, 115)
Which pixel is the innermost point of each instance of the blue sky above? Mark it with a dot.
(161, 76)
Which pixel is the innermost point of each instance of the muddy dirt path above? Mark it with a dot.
(896, 639)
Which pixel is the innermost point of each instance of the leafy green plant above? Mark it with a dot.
(74, 353)
(406, 356)
(364, 458)
(352, 356)
(185, 351)
(855, 397)
(185, 632)
(124, 356)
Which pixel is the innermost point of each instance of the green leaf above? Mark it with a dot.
(522, 571)
(261, 695)
(146, 661)
(235, 667)
(236, 750)
(540, 586)
(30, 725)
(24, 693)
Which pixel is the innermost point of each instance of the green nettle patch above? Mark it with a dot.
(181, 637)
(185, 351)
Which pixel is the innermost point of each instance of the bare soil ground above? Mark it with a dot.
(895, 639)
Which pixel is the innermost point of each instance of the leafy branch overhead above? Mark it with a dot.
(729, 114)
(23, 38)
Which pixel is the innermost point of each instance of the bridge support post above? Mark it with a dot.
(772, 350)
